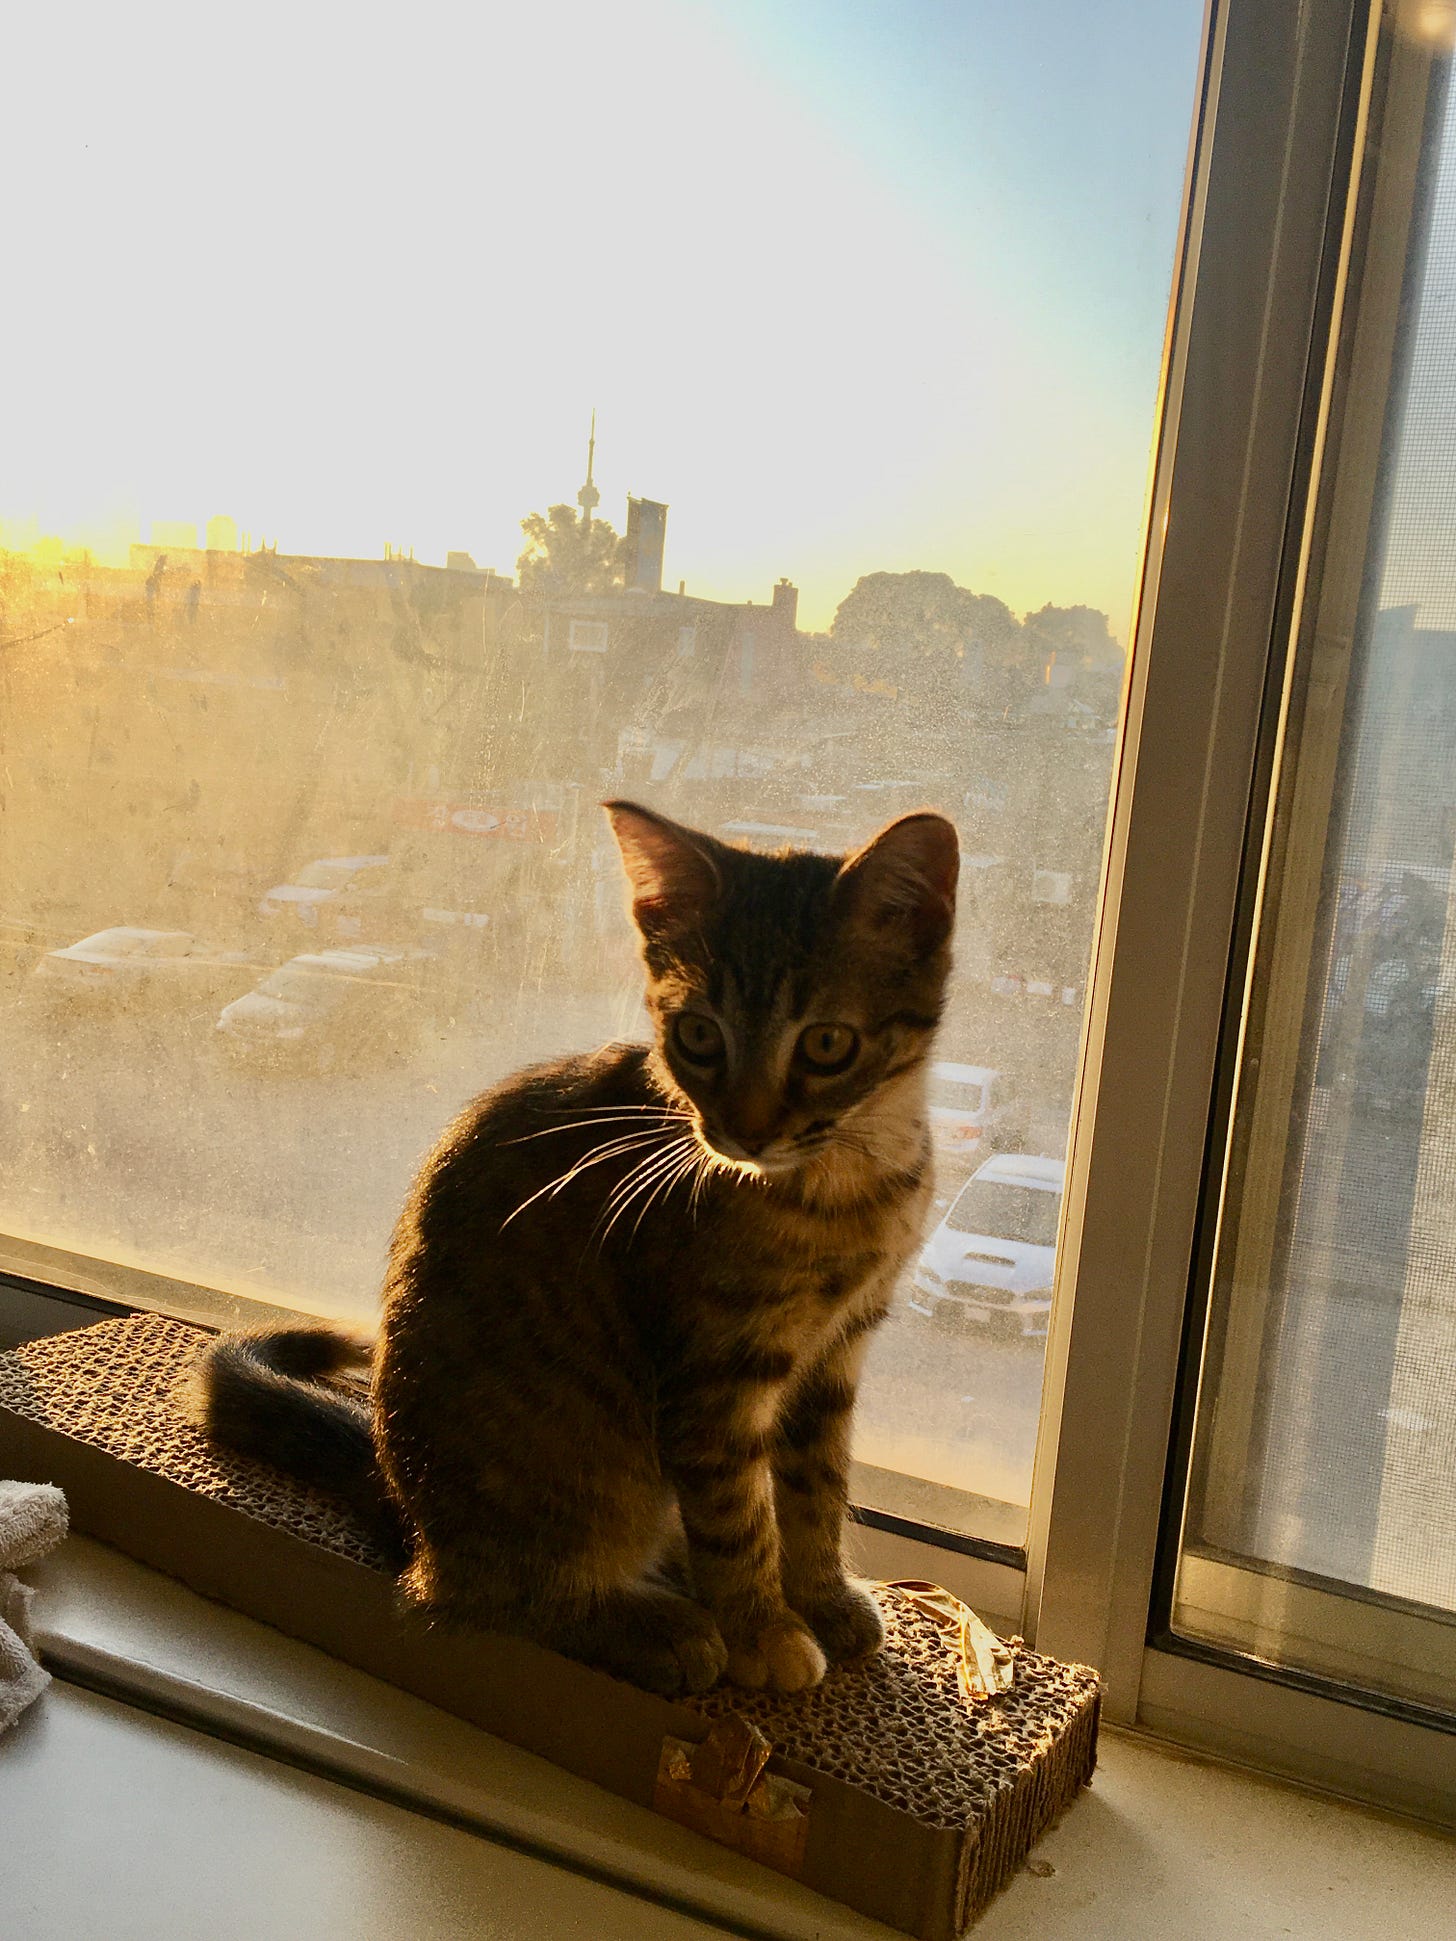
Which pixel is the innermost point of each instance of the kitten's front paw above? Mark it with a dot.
(847, 1621)
(664, 1643)
(783, 1656)
(690, 1656)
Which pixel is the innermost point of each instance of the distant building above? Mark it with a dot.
(646, 542)
(644, 684)
(786, 605)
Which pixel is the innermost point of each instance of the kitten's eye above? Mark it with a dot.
(697, 1038)
(828, 1047)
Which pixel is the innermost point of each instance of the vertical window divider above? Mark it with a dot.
(1252, 318)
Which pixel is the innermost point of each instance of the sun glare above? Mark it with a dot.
(387, 322)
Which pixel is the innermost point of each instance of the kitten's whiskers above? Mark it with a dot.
(631, 1143)
(668, 1178)
(611, 1115)
(646, 1174)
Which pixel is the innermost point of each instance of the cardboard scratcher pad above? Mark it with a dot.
(887, 1789)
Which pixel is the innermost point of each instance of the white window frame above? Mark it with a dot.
(1271, 237)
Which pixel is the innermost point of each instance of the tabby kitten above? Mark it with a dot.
(630, 1292)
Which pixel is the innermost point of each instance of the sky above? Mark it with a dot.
(853, 285)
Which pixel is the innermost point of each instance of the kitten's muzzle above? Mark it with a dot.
(728, 1147)
(764, 1156)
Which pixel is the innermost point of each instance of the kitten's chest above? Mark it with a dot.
(842, 1283)
(798, 1296)
(839, 1249)
(771, 1287)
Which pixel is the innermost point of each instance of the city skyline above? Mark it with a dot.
(116, 548)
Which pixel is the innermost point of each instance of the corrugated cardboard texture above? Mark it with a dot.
(921, 1804)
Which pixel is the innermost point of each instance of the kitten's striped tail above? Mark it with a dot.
(267, 1396)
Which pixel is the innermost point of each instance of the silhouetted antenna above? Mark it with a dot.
(589, 498)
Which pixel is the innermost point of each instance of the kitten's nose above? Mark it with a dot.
(752, 1118)
(735, 1140)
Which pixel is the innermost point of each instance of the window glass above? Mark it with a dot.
(967, 1094)
(134, 943)
(1320, 1530)
(1010, 1210)
(303, 981)
(330, 610)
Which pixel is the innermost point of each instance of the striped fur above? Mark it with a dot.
(630, 1293)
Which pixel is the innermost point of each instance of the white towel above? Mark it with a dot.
(33, 1520)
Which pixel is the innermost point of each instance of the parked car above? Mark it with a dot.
(991, 1259)
(330, 1010)
(974, 1106)
(318, 885)
(131, 965)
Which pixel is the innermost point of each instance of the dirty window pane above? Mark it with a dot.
(329, 610)
(1320, 1529)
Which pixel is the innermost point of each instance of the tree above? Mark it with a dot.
(1079, 639)
(935, 641)
(1080, 634)
(926, 616)
(564, 555)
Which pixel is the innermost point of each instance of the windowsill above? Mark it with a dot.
(133, 1635)
(106, 1621)
(1162, 1841)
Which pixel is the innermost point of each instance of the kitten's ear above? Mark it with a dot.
(672, 872)
(903, 882)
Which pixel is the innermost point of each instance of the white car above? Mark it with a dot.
(972, 1104)
(334, 1010)
(130, 963)
(991, 1259)
(321, 883)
